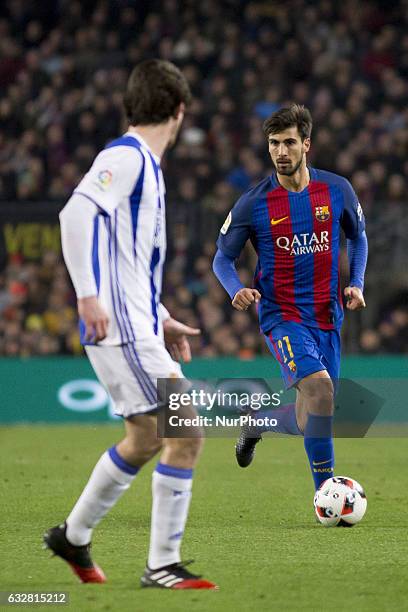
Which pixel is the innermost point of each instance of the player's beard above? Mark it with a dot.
(289, 170)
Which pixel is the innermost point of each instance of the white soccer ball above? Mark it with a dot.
(340, 501)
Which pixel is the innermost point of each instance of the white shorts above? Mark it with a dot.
(130, 372)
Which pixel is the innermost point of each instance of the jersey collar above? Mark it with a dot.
(137, 137)
(275, 182)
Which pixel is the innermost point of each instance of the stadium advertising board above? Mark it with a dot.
(28, 230)
(65, 390)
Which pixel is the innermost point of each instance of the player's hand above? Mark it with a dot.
(245, 297)
(355, 298)
(95, 318)
(176, 337)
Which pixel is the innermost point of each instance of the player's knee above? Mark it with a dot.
(185, 450)
(318, 396)
(150, 451)
(324, 400)
(191, 447)
(139, 452)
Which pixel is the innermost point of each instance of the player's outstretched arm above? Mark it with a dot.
(77, 226)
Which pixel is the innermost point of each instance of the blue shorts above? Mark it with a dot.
(302, 350)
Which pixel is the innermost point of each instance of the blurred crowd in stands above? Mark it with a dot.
(63, 70)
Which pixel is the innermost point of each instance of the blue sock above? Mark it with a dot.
(319, 447)
(285, 417)
(121, 463)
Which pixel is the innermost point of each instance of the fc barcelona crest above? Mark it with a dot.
(322, 213)
(292, 365)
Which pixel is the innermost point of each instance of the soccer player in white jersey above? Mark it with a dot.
(114, 242)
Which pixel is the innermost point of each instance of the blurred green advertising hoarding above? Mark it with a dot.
(65, 390)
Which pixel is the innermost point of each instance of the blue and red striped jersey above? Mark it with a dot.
(297, 239)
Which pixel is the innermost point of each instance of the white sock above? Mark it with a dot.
(110, 478)
(171, 488)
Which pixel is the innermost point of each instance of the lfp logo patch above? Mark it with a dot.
(105, 178)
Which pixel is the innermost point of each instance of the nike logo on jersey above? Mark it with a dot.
(276, 221)
(321, 462)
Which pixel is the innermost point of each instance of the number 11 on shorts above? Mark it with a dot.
(282, 348)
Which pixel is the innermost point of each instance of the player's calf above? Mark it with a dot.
(316, 404)
(185, 449)
(140, 443)
(171, 486)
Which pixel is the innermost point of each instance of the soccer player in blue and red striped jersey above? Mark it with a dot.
(293, 219)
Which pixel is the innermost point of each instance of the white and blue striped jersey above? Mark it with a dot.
(126, 184)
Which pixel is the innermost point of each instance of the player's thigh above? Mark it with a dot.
(296, 350)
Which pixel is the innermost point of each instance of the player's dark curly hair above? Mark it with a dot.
(295, 115)
(154, 91)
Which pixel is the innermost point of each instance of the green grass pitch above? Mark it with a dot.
(252, 531)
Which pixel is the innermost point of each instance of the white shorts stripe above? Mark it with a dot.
(150, 384)
(138, 374)
(125, 380)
